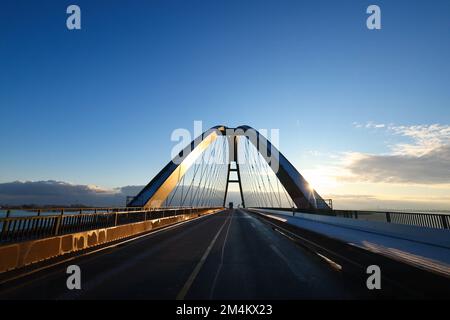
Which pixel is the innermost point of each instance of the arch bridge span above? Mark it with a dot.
(264, 176)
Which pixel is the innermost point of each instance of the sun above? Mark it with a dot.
(320, 181)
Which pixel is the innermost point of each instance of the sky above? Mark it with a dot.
(363, 114)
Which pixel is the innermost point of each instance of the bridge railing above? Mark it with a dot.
(429, 220)
(19, 225)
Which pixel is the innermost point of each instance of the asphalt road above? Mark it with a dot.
(229, 255)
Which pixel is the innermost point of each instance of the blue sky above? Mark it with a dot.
(98, 105)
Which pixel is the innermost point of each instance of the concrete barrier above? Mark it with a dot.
(436, 237)
(425, 248)
(18, 255)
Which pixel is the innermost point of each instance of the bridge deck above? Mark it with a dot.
(248, 259)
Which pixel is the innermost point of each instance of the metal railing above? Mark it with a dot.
(10, 212)
(54, 221)
(428, 220)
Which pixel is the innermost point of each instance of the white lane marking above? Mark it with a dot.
(151, 233)
(219, 269)
(333, 264)
(182, 294)
(285, 232)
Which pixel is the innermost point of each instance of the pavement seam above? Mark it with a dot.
(219, 269)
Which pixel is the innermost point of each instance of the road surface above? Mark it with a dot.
(228, 255)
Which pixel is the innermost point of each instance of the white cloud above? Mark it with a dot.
(425, 138)
(372, 125)
(425, 159)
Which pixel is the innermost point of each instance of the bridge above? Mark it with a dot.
(228, 218)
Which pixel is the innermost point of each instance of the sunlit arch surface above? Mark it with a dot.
(194, 179)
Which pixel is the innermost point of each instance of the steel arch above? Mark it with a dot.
(157, 190)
